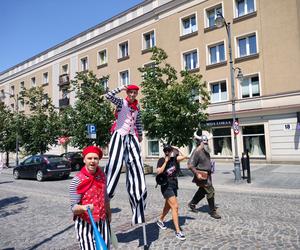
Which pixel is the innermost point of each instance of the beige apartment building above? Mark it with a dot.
(265, 38)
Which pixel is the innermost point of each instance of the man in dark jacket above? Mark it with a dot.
(200, 164)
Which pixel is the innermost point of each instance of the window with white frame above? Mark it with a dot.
(45, 78)
(124, 77)
(250, 86)
(65, 69)
(247, 45)
(12, 90)
(211, 15)
(190, 60)
(123, 50)
(33, 83)
(244, 7)
(84, 64)
(21, 105)
(189, 24)
(104, 83)
(22, 85)
(149, 40)
(218, 91)
(102, 57)
(153, 147)
(216, 53)
(222, 141)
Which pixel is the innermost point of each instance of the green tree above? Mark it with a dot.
(171, 107)
(91, 107)
(41, 127)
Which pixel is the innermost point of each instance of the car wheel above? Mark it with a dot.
(77, 167)
(16, 174)
(39, 175)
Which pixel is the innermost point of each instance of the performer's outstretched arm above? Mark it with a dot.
(111, 96)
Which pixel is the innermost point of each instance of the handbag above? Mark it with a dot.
(201, 182)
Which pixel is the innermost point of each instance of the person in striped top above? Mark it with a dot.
(88, 189)
(124, 146)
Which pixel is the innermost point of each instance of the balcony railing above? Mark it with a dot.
(64, 79)
(64, 102)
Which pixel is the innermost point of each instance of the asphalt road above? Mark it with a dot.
(36, 215)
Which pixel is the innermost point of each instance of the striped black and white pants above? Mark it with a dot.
(85, 233)
(127, 148)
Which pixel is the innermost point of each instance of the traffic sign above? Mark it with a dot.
(91, 131)
(236, 128)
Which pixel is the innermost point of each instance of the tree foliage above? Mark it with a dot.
(91, 107)
(171, 108)
(41, 126)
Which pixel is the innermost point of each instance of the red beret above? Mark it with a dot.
(92, 149)
(132, 87)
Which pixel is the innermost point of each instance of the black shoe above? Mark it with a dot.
(192, 207)
(215, 215)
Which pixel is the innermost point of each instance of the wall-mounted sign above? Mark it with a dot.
(236, 127)
(219, 123)
(287, 126)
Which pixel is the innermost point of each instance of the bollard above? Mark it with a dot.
(248, 167)
(244, 164)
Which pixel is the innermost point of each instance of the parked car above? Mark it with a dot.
(41, 167)
(75, 158)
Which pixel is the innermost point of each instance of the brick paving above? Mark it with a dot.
(262, 215)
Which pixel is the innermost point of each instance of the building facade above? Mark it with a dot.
(265, 39)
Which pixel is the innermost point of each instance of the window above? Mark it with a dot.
(45, 99)
(190, 60)
(247, 45)
(211, 15)
(65, 93)
(222, 141)
(45, 78)
(216, 53)
(243, 7)
(123, 50)
(254, 140)
(65, 69)
(12, 90)
(104, 83)
(21, 105)
(2, 94)
(218, 92)
(102, 57)
(84, 64)
(33, 83)
(124, 77)
(153, 147)
(250, 87)
(149, 40)
(189, 25)
(22, 86)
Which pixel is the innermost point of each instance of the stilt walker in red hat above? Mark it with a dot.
(124, 145)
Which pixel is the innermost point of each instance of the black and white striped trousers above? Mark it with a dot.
(85, 233)
(127, 148)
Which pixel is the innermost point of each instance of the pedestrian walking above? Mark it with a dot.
(88, 190)
(168, 167)
(201, 166)
(124, 146)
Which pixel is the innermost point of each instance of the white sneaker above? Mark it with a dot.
(161, 224)
(180, 235)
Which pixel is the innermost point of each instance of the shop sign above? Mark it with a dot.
(219, 123)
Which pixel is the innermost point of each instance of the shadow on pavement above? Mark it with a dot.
(115, 210)
(51, 237)
(152, 232)
(9, 202)
(4, 182)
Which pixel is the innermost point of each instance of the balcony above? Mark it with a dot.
(64, 102)
(64, 79)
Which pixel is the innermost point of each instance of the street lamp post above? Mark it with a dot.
(17, 125)
(220, 22)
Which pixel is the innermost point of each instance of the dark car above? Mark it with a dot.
(41, 167)
(75, 158)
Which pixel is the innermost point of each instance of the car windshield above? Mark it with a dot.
(55, 158)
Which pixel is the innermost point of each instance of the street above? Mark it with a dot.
(36, 215)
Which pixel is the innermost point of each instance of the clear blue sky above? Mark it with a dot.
(29, 27)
